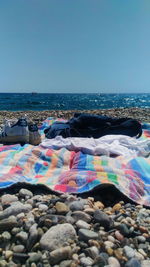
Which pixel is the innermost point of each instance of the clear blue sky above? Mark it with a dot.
(75, 46)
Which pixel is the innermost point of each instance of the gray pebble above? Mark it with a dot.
(93, 252)
(14, 209)
(7, 199)
(22, 236)
(82, 224)
(80, 215)
(33, 236)
(85, 234)
(60, 254)
(65, 263)
(133, 263)
(108, 244)
(103, 219)
(25, 192)
(76, 205)
(34, 257)
(20, 215)
(43, 207)
(145, 263)
(102, 259)
(57, 235)
(141, 239)
(143, 246)
(20, 257)
(18, 248)
(8, 224)
(86, 261)
(113, 262)
(111, 238)
(129, 252)
(6, 236)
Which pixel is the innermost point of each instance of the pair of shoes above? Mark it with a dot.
(18, 131)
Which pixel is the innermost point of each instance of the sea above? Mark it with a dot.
(41, 101)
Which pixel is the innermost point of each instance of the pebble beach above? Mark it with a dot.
(39, 228)
(140, 114)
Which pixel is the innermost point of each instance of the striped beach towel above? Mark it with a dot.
(75, 172)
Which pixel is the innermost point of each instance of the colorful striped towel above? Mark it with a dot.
(75, 172)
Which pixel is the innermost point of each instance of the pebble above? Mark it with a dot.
(108, 244)
(89, 211)
(139, 256)
(57, 235)
(143, 229)
(3, 263)
(33, 236)
(94, 243)
(109, 251)
(118, 253)
(86, 261)
(8, 224)
(129, 252)
(7, 199)
(141, 239)
(6, 236)
(93, 252)
(140, 250)
(65, 263)
(43, 207)
(25, 193)
(34, 257)
(76, 205)
(82, 224)
(102, 259)
(18, 248)
(133, 263)
(123, 229)
(116, 207)
(98, 205)
(20, 216)
(8, 254)
(22, 236)
(80, 215)
(145, 263)
(61, 208)
(60, 254)
(14, 209)
(113, 262)
(86, 235)
(119, 236)
(20, 258)
(103, 219)
(111, 238)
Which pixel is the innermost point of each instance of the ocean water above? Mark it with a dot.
(22, 101)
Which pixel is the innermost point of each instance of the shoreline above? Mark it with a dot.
(141, 114)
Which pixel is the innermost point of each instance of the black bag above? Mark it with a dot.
(87, 125)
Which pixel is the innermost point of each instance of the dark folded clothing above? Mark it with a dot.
(87, 125)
